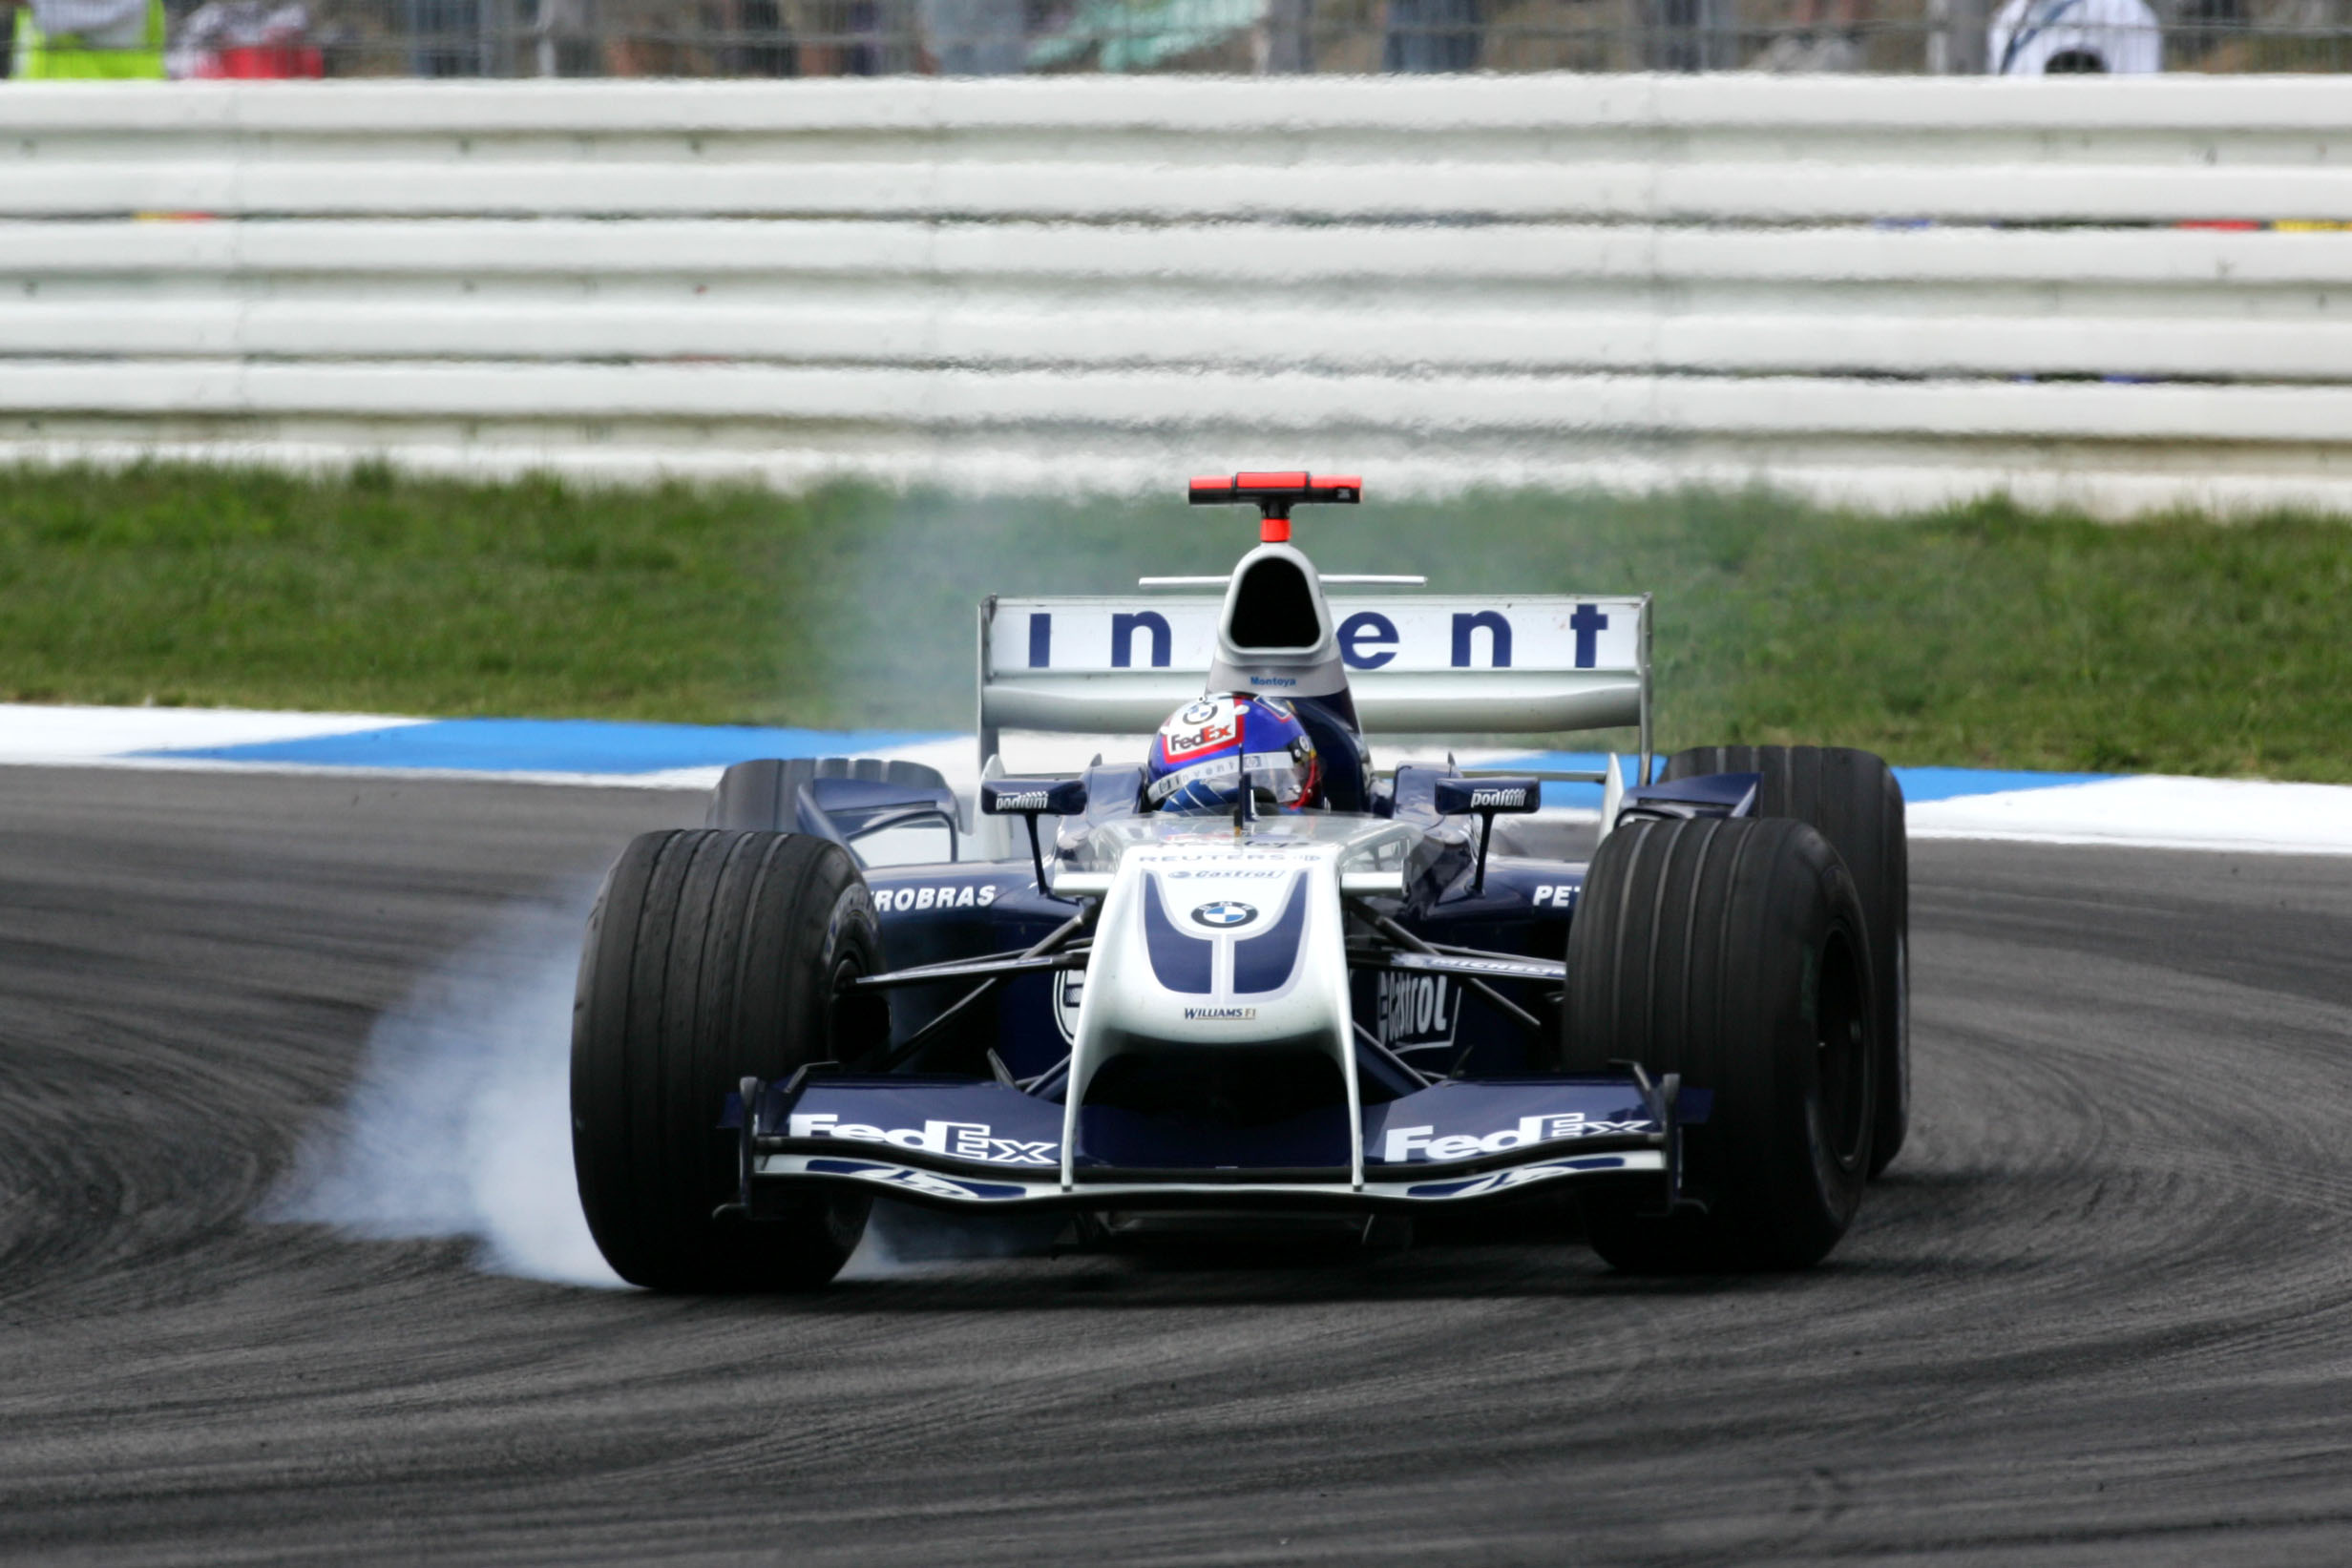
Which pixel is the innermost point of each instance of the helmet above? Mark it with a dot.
(1201, 754)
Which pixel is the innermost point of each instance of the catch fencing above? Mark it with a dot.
(2121, 293)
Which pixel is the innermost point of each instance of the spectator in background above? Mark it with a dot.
(1425, 35)
(2064, 37)
(107, 40)
(1827, 36)
(245, 39)
(977, 37)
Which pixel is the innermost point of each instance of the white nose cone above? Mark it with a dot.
(1213, 947)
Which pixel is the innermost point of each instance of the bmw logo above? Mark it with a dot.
(1226, 913)
(1199, 713)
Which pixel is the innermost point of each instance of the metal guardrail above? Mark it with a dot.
(2122, 292)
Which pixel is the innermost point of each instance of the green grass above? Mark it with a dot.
(1979, 635)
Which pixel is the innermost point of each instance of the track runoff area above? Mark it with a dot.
(2135, 811)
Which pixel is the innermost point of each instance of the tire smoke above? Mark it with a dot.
(460, 1125)
(460, 1122)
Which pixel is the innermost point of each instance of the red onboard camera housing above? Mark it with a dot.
(1274, 494)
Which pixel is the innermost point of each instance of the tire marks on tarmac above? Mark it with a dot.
(2101, 1305)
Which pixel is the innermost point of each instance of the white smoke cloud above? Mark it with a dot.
(460, 1123)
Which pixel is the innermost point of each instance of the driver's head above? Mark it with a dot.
(1204, 753)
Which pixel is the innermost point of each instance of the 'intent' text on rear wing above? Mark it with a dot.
(1415, 663)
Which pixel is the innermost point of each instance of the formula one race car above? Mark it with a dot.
(1254, 978)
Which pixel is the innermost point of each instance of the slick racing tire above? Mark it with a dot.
(1851, 798)
(1730, 951)
(712, 956)
(765, 794)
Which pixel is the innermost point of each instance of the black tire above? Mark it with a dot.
(763, 794)
(1851, 798)
(711, 955)
(1730, 951)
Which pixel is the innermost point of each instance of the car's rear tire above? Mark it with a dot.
(765, 794)
(712, 956)
(1851, 798)
(1730, 951)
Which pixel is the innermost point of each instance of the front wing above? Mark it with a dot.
(983, 1144)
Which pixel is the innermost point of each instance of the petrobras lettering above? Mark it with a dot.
(1559, 895)
(955, 1140)
(1220, 1014)
(967, 895)
(1405, 1146)
(1500, 800)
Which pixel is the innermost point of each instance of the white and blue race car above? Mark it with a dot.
(1389, 1004)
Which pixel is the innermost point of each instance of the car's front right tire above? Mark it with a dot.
(712, 956)
(1730, 951)
(1852, 799)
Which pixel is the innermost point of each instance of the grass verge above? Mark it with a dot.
(1979, 635)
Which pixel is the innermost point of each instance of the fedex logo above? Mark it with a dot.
(1207, 725)
(956, 1139)
(1406, 1144)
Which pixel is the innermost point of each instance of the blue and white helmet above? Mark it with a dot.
(1202, 754)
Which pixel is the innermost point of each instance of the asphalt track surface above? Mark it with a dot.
(2101, 1311)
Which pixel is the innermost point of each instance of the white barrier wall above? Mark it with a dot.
(1879, 290)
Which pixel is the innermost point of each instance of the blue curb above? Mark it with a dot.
(1919, 785)
(596, 746)
(555, 745)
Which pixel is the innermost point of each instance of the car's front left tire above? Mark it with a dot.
(712, 956)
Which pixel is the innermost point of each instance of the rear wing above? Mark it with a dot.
(1415, 663)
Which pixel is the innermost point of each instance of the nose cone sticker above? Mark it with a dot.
(1225, 913)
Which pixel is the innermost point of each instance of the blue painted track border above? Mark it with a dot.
(553, 745)
(1919, 785)
(603, 747)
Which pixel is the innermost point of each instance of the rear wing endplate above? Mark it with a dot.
(1415, 663)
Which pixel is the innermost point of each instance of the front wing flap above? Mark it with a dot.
(980, 1143)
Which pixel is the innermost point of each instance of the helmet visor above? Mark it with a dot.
(1211, 785)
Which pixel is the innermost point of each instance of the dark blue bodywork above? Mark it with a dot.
(937, 913)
